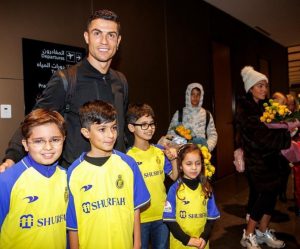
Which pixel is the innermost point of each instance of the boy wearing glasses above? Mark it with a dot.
(33, 193)
(154, 162)
(106, 187)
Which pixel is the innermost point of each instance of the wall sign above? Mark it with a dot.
(40, 61)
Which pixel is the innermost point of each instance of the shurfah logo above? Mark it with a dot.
(86, 207)
(31, 199)
(26, 221)
(182, 214)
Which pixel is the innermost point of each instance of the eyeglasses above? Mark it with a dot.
(40, 143)
(145, 126)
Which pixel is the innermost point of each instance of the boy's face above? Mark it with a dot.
(143, 128)
(45, 143)
(102, 138)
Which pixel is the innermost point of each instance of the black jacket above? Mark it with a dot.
(90, 85)
(260, 144)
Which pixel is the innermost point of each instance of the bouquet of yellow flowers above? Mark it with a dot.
(278, 116)
(183, 132)
(209, 168)
(275, 112)
(185, 135)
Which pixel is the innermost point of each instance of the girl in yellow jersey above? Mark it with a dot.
(190, 209)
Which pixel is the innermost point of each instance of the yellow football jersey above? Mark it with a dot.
(190, 210)
(33, 206)
(103, 200)
(153, 165)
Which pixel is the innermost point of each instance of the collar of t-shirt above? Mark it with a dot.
(45, 170)
(97, 161)
(191, 183)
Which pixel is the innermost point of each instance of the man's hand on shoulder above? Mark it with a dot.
(6, 164)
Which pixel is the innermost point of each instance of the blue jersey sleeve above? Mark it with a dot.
(212, 210)
(141, 193)
(170, 205)
(71, 212)
(7, 181)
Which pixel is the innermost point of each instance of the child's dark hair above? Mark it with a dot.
(106, 15)
(182, 152)
(41, 117)
(138, 110)
(98, 112)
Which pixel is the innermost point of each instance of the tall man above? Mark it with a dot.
(93, 80)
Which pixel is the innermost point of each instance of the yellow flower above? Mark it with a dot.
(274, 112)
(209, 168)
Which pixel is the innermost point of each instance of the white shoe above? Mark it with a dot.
(269, 238)
(249, 241)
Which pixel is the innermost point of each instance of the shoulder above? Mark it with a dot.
(174, 187)
(126, 159)
(75, 164)
(158, 146)
(117, 75)
(11, 175)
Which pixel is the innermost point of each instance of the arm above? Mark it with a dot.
(207, 230)
(185, 239)
(171, 154)
(6, 164)
(212, 136)
(73, 238)
(137, 230)
(14, 152)
(177, 232)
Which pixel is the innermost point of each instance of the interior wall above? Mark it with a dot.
(54, 21)
(165, 46)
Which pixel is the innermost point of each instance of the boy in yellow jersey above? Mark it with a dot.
(33, 192)
(106, 187)
(154, 164)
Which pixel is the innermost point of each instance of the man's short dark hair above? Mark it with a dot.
(96, 112)
(106, 15)
(138, 110)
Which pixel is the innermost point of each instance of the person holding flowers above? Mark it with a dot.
(193, 122)
(261, 147)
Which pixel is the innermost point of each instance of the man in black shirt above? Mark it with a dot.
(93, 80)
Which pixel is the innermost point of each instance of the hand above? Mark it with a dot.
(203, 243)
(293, 125)
(171, 153)
(195, 242)
(5, 165)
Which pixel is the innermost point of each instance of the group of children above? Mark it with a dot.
(106, 199)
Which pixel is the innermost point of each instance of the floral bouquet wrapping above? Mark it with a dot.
(186, 135)
(278, 116)
(293, 153)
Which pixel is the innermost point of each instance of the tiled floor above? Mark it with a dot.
(231, 196)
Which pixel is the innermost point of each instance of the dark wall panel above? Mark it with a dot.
(142, 54)
(188, 50)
